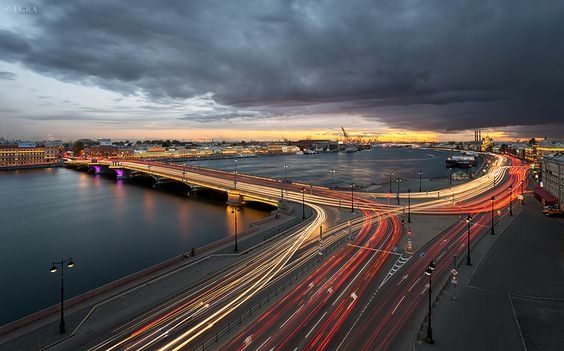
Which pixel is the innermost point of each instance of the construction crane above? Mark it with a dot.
(350, 146)
(347, 137)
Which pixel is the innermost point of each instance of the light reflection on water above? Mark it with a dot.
(109, 227)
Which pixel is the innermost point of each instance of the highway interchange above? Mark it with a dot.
(358, 296)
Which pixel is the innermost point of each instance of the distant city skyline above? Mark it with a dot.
(201, 70)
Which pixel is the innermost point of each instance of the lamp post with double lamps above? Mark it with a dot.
(285, 168)
(397, 195)
(69, 263)
(420, 173)
(390, 174)
(468, 220)
(429, 272)
(332, 178)
(234, 212)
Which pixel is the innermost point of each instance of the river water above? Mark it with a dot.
(115, 228)
(363, 168)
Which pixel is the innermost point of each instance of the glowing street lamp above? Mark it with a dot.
(69, 263)
(234, 212)
(420, 173)
(390, 174)
(332, 177)
(468, 220)
(429, 272)
(397, 195)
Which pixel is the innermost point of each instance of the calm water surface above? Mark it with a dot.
(362, 168)
(110, 228)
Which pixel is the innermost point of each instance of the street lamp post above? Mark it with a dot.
(303, 203)
(332, 178)
(468, 220)
(285, 167)
(409, 205)
(429, 272)
(492, 230)
(397, 195)
(234, 212)
(510, 200)
(352, 197)
(53, 269)
(420, 173)
(390, 174)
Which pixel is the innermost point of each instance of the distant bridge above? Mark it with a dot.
(239, 187)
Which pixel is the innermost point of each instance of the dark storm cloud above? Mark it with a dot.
(440, 65)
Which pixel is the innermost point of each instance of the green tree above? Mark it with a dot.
(77, 147)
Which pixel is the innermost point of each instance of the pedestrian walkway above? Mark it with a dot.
(512, 298)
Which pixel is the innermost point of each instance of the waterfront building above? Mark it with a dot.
(103, 151)
(22, 155)
(553, 176)
(53, 150)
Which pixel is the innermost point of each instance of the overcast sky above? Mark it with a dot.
(244, 69)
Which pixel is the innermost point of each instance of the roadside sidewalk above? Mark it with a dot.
(512, 298)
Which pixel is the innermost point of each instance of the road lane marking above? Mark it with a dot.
(424, 289)
(417, 281)
(315, 325)
(261, 345)
(441, 255)
(403, 278)
(397, 265)
(353, 280)
(292, 316)
(395, 308)
(378, 250)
